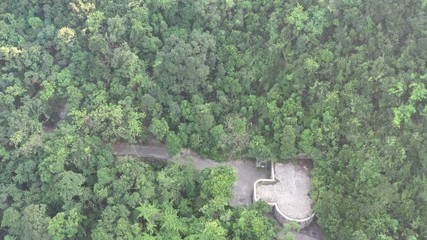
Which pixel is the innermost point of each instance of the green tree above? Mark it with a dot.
(159, 128)
(65, 225)
(34, 222)
(173, 144)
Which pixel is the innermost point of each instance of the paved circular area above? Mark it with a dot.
(289, 191)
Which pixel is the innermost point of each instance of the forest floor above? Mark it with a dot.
(247, 174)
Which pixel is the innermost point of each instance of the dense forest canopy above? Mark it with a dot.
(342, 81)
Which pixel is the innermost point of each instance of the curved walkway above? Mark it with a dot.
(246, 170)
(247, 174)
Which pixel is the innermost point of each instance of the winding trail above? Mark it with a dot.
(247, 172)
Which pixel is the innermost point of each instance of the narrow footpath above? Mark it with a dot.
(246, 170)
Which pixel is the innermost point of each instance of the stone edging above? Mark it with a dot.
(278, 214)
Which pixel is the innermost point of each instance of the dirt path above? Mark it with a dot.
(157, 152)
(247, 172)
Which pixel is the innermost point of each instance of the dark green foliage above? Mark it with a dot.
(341, 81)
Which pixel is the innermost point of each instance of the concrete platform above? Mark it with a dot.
(287, 190)
(247, 174)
